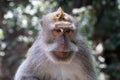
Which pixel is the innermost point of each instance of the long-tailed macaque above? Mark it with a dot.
(59, 52)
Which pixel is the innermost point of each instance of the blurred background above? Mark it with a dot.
(98, 20)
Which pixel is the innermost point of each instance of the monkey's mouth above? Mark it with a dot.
(62, 55)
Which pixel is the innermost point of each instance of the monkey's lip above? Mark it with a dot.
(62, 54)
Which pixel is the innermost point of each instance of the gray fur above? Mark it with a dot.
(39, 66)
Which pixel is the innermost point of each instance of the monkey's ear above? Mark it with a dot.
(41, 22)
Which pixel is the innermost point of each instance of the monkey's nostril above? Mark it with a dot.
(63, 46)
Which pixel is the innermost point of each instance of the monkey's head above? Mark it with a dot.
(59, 34)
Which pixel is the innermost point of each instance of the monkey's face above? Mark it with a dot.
(60, 35)
(61, 42)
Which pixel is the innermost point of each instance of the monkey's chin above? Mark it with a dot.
(61, 56)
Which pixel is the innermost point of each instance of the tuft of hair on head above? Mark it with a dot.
(61, 16)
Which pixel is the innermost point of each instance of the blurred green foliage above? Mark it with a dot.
(98, 21)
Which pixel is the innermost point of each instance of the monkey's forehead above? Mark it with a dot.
(50, 22)
(62, 24)
(54, 17)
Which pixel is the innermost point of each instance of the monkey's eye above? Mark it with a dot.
(57, 32)
(68, 31)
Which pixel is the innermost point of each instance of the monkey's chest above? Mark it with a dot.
(62, 73)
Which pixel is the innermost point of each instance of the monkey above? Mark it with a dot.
(59, 52)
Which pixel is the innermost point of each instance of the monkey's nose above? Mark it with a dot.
(63, 46)
(62, 39)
